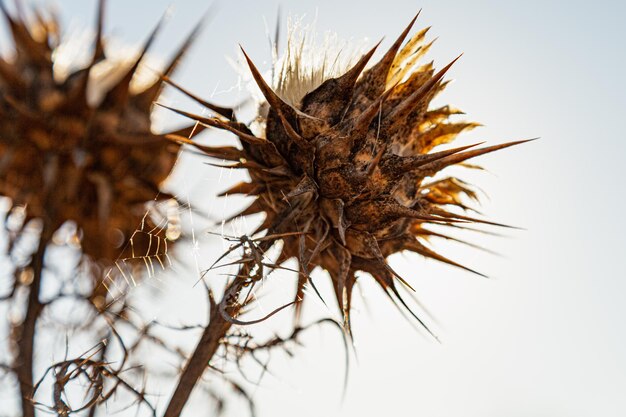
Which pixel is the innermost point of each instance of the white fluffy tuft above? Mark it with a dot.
(306, 62)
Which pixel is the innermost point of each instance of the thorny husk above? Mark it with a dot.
(65, 158)
(344, 177)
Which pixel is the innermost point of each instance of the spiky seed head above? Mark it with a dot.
(67, 158)
(342, 175)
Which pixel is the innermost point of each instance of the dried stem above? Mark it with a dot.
(26, 330)
(207, 346)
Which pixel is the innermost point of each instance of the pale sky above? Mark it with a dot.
(544, 336)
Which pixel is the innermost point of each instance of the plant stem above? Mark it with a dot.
(206, 348)
(24, 366)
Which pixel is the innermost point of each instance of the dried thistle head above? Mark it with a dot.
(64, 157)
(344, 175)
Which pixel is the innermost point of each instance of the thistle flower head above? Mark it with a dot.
(343, 173)
(67, 157)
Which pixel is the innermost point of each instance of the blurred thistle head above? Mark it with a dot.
(343, 169)
(66, 156)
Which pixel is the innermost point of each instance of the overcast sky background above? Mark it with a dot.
(545, 335)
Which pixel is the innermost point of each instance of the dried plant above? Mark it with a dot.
(66, 157)
(69, 159)
(342, 170)
(341, 164)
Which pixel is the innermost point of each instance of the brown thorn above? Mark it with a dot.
(284, 110)
(404, 108)
(189, 41)
(460, 157)
(188, 131)
(213, 122)
(396, 45)
(149, 95)
(304, 186)
(385, 63)
(411, 163)
(484, 232)
(461, 241)
(362, 122)
(98, 53)
(272, 98)
(117, 96)
(4, 10)
(376, 160)
(412, 313)
(417, 247)
(295, 136)
(243, 187)
(222, 111)
(350, 77)
(228, 153)
(448, 215)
